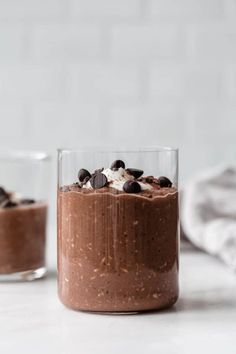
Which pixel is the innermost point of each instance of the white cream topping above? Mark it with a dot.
(87, 185)
(118, 178)
(145, 186)
(15, 197)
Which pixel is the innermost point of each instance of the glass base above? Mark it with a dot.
(117, 313)
(164, 306)
(27, 275)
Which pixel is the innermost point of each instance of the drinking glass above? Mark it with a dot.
(118, 252)
(24, 181)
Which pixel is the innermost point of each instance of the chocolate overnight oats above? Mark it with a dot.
(118, 241)
(22, 234)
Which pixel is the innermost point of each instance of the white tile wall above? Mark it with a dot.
(103, 82)
(65, 43)
(147, 42)
(59, 124)
(75, 72)
(187, 10)
(144, 122)
(12, 43)
(214, 41)
(32, 83)
(28, 10)
(105, 9)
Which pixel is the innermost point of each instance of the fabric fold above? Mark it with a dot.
(208, 213)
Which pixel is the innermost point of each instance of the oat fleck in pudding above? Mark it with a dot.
(22, 233)
(118, 241)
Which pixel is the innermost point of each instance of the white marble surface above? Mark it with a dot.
(32, 321)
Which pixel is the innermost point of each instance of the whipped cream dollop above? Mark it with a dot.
(117, 179)
(15, 197)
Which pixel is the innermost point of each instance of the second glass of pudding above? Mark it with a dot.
(118, 236)
(24, 179)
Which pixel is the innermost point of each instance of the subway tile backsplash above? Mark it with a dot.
(141, 72)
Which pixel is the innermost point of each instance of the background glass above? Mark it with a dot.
(27, 174)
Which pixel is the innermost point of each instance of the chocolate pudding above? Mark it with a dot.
(118, 241)
(22, 234)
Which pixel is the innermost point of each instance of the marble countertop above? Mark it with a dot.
(33, 321)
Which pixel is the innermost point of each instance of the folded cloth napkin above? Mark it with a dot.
(208, 213)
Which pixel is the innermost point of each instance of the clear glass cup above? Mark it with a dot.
(118, 251)
(24, 181)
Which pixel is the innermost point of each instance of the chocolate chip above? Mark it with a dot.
(134, 172)
(82, 174)
(3, 195)
(98, 180)
(9, 204)
(27, 201)
(117, 164)
(99, 170)
(164, 182)
(87, 178)
(131, 187)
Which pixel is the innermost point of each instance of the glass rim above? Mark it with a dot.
(24, 155)
(96, 149)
